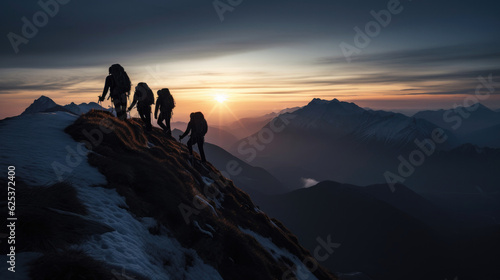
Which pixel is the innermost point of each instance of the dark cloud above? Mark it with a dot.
(21, 84)
(430, 41)
(88, 33)
(437, 56)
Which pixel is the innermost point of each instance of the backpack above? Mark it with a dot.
(166, 99)
(170, 101)
(150, 97)
(121, 81)
(147, 96)
(199, 124)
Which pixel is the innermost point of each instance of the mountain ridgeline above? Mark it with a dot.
(45, 104)
(334, 140)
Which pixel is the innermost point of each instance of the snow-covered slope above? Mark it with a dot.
(137, 185)
(39, 147)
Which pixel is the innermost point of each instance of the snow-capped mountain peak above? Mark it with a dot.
(339, 118)
(45, 104)
(39, 105)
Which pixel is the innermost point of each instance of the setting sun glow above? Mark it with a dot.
(220, 98)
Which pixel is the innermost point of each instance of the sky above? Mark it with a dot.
(255, 56)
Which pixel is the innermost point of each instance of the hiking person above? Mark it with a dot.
(118, 84)
(198, 128)
(144, 98)
(165, 104)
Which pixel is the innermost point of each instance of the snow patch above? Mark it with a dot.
(208, 204)
(279, 253)
(207, 181)
(132, 246)
(217, 197)
(202, 230)
(275, 225)
(308, 182)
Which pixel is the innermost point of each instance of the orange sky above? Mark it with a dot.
(250, 89)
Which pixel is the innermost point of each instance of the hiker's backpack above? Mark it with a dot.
(121, 81)
(200, 126)
(170, 101)
(147, 95)
(150, 97)
(166, 99)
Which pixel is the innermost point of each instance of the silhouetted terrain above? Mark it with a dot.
(135, 206)
(387, 235)
(140, 209)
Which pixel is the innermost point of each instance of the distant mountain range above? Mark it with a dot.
(253, 180)
(334, 140)
(45, 104)
(247, 126)
(476, 124)
(227, 135)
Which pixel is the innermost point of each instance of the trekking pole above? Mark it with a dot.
(100, 104)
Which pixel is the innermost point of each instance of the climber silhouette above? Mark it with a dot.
(165, 104)
(118, 83)
(144, 98)
(198, 128)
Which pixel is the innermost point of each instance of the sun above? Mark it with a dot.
(221, 98)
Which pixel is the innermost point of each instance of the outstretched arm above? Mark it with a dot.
(157, 107)
(188, 129)
(107, 85)
(133, 102)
